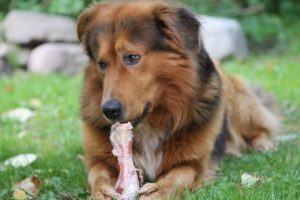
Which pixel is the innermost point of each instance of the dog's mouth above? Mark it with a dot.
(136, 121)
(141, 117)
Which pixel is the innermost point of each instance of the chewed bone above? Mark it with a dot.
(128, 181)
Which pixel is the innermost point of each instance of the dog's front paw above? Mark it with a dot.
(153, 191)
(103, 192)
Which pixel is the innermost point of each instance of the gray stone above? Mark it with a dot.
(223, 37)
(25, 27)
(63, 58)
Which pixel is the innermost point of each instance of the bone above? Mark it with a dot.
(128, 183)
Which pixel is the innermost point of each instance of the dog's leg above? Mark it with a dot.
(171, 184)
(102, 186)
(261, 142)
(250, 121)
(98, 158)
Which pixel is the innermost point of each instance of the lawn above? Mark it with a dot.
(54, 134)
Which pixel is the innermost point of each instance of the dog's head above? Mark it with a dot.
(144, 54)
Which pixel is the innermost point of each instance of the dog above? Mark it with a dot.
(148, 65)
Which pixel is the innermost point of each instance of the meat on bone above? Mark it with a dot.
(128, 182)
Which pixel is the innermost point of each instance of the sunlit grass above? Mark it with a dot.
(54, 134)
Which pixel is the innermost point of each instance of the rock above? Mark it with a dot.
(24, 27)
(223, 37)
(64, 58)
(19, 114)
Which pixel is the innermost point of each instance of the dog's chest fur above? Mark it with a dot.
(148, 156)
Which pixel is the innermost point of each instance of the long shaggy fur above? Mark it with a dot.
(195, 112)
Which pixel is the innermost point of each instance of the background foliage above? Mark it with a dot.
(264, 21)
(272, 27)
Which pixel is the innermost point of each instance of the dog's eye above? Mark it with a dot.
(102, 65)
(131, 59)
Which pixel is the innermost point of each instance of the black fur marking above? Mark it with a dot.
(88, 41)
(209, 81)
(140, 118)
(189, 29)
(207, 106)
(91, 44)
(206, 66)
(144, 30)
(220, 143)
(182, 22)
(159, 43)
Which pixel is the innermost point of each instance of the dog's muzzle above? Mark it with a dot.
(141, 117)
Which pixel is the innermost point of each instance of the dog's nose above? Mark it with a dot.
(112, 109)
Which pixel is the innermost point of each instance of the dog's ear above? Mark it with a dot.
(84, 22)
(179, 26)
(87, 16)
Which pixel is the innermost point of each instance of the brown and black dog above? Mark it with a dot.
(148, 66)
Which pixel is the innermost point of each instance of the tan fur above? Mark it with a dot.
(249, 122)
(174, 144)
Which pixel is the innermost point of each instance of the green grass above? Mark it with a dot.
(279, 170)
(54, 134)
